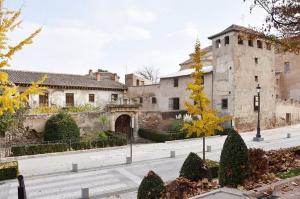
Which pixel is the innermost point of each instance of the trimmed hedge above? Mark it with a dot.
(61, 127)
(151, 187)
(193, 168)
(213, 168)
(160, 136)
(9, 170)
(113, 140)
(225, 131)
(39, 149)
(234, 161)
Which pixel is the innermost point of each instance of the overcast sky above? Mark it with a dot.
(120, 35)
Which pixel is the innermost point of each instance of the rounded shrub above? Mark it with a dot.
(151, 187)
(234, 162)
(61, 127)
(193, 168)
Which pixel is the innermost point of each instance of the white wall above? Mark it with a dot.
(57, 97)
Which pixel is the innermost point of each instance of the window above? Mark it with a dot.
(224, 103)
(142, 83)
(175, 82)
(91, 97)
(44, 100)
(259, 44)
(218, 43)
(226, 40)
(114, 97)
(137, 82)
(141, 100)
(255, 103)
(287, 67)
(256, 60)
(174, 103)
(69, 99)
(154, 100)
(240, 40)
(268, 46)
(256, 78)
(250, 42)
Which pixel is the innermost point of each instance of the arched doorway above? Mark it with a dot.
(122, 124)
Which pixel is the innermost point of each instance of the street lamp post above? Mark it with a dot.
(258, 135)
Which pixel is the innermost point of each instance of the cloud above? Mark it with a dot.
(140, 16)
(133, 33)
(189, 30)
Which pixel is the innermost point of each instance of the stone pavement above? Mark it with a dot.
(105, 173)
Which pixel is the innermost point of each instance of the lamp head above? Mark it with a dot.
(258, 88)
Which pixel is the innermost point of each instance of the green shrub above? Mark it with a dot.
(151, 187)
(38, 149)
(225, 131)
(8, 170)
(102, 136)
(290, 173)
(159, 136)
(193, 168)
(176, 126)
(296, 150)
(234, 163)
(213, 168)
(81, 146)
(61, 127)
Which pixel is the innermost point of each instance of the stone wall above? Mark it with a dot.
(88, 121)
(285, 107)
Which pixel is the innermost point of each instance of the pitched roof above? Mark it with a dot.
(231, 28)
(63, 80)
(186, 72)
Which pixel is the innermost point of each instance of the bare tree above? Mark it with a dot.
(149, 72)
(283, 16)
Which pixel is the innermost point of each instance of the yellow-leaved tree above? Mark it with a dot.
(10, 97)
(204, 120)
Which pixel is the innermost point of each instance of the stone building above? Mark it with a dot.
(100, 89)
(65, 90)
(234, 65)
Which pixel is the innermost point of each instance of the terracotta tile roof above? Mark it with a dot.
(235, 28)
(64, 80)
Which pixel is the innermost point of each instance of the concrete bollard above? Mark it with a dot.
(85, 193)
(128, 160)
(288, 135)
(208, 148)
(74, 167)
(172, 154)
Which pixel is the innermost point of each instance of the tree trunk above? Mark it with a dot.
(203, 148)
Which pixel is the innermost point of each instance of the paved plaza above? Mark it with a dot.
(107, 175)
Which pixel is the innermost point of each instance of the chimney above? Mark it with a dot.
(98, 76)
(90, 72)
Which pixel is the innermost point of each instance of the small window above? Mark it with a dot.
(256, 78)
(268, 46)
(44, 100)
(218, 43)
(69, 99)
(226, 40)
(255, 103)
(137, 82)
(224, 103)
(114, 97)
(174, 103)
(259, 44)
(91, 97)
(256, 60)
(240, 40)
(175, 82)
(142, 83)
(154, 101)
(141, 100)
(287, 67)
(250, 42)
